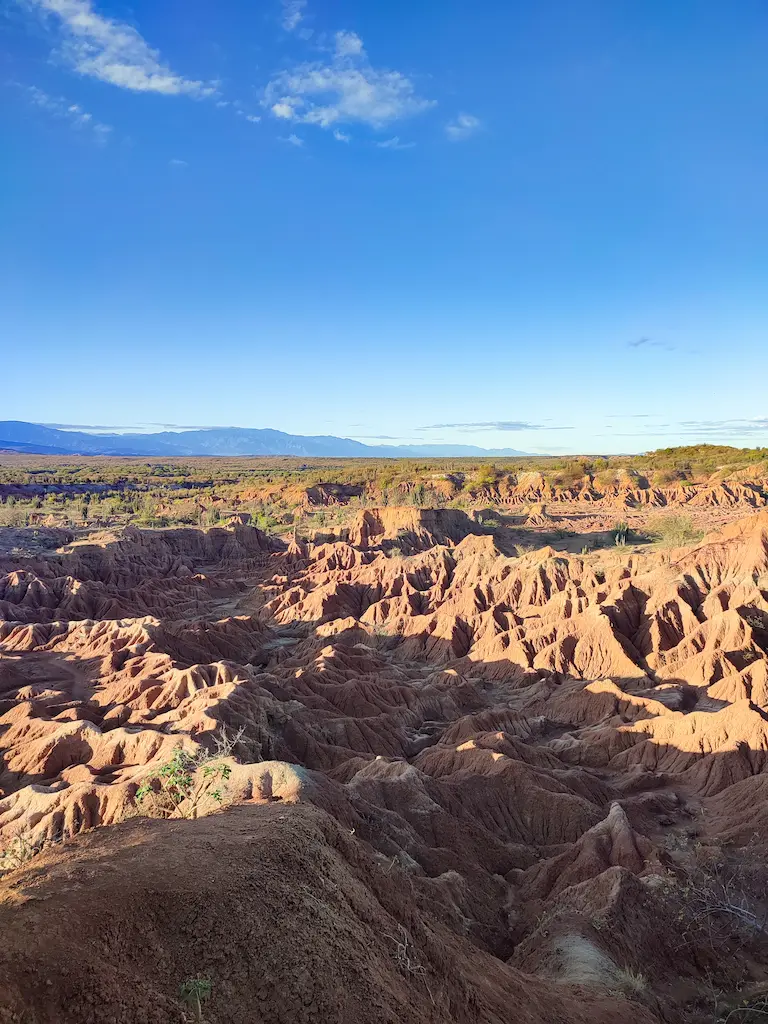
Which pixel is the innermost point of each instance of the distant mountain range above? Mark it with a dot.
(37, 439)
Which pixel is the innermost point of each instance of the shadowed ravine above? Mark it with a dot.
(466, 787)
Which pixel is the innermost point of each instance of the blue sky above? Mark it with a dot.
(539, 226)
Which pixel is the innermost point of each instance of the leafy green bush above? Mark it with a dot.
(13, 516)
(486, 476)
(674, 531)
(186, 787)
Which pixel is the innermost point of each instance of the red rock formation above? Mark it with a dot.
(485, 754)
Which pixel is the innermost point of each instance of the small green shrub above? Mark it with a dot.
(486, 476)
(195, 992)
(185, 787)
(562, 534)
(673, 531)
(620, 534)
(10, 516)
(18, 852)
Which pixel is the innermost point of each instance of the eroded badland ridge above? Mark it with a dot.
(444, 764)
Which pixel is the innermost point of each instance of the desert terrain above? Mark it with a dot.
(397, 743)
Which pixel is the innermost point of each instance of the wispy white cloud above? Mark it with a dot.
(340, 136)
(293, 14)
(711, 431)
(494, 425)
(64, 110)
(724, 428)
(292, 140)
(462, 127)
(241, 111)
(178, 163)
(395, 143)
(348, 44)
(344, 89)
(114, 52)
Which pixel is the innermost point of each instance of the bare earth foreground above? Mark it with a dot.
(465, 786)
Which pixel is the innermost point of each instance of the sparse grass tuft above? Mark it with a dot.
(630, 982)
(583, 963)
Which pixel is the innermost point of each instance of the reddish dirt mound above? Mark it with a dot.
(482, 782)
(417, 528)
(290, 918)
(630, 491)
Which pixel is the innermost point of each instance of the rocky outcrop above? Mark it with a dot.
(416, 528)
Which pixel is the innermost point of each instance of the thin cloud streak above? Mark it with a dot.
(733, 428)
(64, 110)
(394, 143)
(114, 52)
(511, 425)
(134, 428)
(650, 343)
(709, 430)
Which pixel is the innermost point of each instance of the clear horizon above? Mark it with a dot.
(155, 428)
(495, 225)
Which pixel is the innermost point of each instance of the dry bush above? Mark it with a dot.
(665, 477)
(405, 955)
(606, 478)
(13, 517)
(751, 1011)
(19, 851)
(721, 899)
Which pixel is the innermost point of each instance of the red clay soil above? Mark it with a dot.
(293, 919)
(466, 787)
